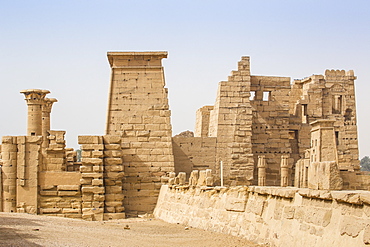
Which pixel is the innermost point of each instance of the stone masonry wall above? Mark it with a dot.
(101, 177)
(270, 127)
(278, 216)
(21, 158)
(138, 111)
(113, 176)
(329, 96)
(231, 121)
(194, 153)
(60, 194)
(202, 121)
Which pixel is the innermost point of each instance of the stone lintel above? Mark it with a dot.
(138, 53)
(129, 59)
(322, 123)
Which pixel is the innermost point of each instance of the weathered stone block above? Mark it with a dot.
(49, 193)
(89, 140)
(112, 161)
(324, 175)
(71, 211)
(99, 198)
(97, 182)
(112, 146)
(112, 139)
(98, 168)
(114, 216)
(93, 161)
(92, 147)
(68, 193)
(50, 210)
(93, 189)
(68, 187)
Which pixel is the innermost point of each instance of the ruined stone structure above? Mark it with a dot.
(263, 123)
(262, 130)
(119, 173)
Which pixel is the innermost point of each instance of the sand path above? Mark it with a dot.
(37, 230)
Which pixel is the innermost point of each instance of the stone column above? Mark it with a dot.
(9, 173)
(306, 164)
(35, 100)
(261, 170)
(46, 110)
(284, 166)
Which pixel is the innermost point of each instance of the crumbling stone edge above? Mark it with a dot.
(276, 216)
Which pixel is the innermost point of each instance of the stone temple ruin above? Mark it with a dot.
(262, 131)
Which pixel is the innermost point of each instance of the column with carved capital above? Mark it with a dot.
(35, 101)
(46, 110)
(261, 170)
(284, 166)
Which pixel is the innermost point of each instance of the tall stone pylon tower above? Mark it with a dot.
(138, 111)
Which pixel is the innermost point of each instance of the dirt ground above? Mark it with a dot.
(37, 230)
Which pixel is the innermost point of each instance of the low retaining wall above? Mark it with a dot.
(274, 215)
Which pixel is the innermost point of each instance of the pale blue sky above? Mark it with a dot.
(61, 46)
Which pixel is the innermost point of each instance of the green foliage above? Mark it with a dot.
(365, 163)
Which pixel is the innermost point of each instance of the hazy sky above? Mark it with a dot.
(61, 46)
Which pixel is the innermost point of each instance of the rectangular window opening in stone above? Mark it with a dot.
(337, 137)
(252, 95)
(304, 106)
(337, 104)
(266, 96)
(304, 113)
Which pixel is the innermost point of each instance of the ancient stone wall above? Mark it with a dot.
(278, 216)
(250, 118)
(113, 178)
(202, 121)
(320, 168)
(261, 130)
(138, 111)
(101, 177)
(194, 153)
(21, 163)
(60, 194)
(267, 116)
(93, 192)
(230, 123)
(329, 96)
(270, 126)
(55, 153)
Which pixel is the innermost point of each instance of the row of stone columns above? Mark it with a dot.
(284, 172)
(39, 109)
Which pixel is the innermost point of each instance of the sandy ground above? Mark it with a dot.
(37, 230)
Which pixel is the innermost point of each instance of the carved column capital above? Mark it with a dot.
(48, 104)
(35, 96)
